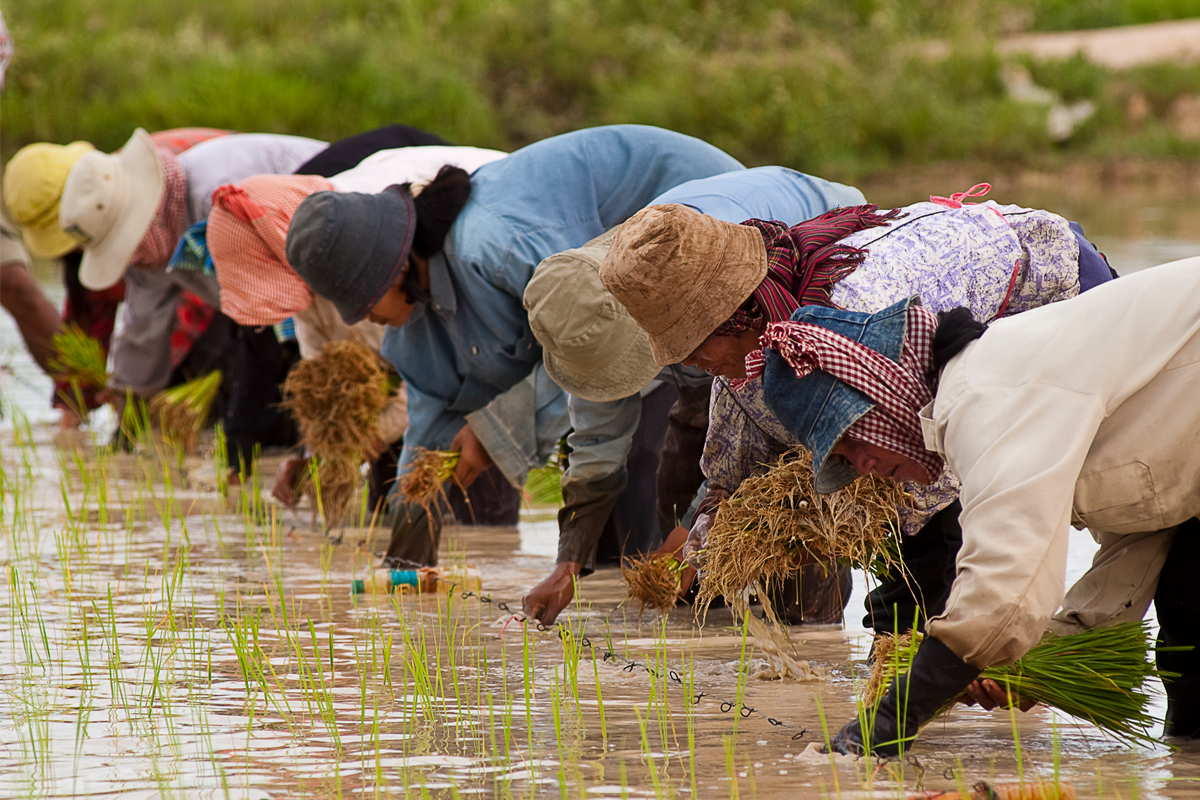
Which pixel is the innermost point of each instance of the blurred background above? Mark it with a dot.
(846, 89)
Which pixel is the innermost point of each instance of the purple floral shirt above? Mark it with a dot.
(996, 260)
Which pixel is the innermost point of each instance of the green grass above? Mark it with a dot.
(826, 86)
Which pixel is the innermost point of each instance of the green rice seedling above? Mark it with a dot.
(80, 361)
(1094, 675)
(648, 753)
(182, 410)
(600, 702)
(221, 458)
(543, 487)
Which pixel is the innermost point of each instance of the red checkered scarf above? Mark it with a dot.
(803, 263)
(247, 236)
(900, 391)
(170, 219)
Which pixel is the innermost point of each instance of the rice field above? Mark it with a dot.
(161, 639)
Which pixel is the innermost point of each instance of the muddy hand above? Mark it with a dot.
(547, 600)
(287, 478)
(990, 695)
(673, 547)
(474, 459)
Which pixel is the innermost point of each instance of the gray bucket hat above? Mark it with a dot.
(351, 248)
(591, 346)
(819, 408)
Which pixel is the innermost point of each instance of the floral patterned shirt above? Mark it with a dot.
(996, 260)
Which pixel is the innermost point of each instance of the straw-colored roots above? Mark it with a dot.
(339, 477)
(892, 656)
(774, 519)
(422, 481)
(653, 581)
(337, 398)
(182, 410)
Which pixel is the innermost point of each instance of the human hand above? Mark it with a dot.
(697, 538)
(547, 600)
(473, 459)
(988, 694)
(287, 479)
(673, 547)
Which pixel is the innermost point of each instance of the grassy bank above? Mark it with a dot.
(828, 86)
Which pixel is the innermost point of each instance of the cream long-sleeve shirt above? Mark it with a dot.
(1082, 412)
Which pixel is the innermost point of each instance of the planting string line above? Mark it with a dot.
(730, 707)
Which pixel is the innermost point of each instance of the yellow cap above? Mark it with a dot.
(33, 186)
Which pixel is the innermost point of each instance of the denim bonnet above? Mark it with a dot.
(350, 248)
(818, 408)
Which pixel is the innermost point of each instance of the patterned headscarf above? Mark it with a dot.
(803, 263)
(170, 219)
(900, 391)
(247, 237)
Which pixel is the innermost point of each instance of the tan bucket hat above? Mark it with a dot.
(591, 346)
(681, 274)
(110, 201)
(33, 187)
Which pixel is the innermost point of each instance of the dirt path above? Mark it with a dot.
(1116, 48)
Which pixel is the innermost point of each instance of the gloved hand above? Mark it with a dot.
(697, 539)
(937, 677)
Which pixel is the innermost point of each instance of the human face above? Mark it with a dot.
(871, 459)
(393, 308)
(724, 355)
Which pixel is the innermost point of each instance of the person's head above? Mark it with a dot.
(591, 346)
(247, 238)
(704, 289)
(850, 386)
(33, 187)
(681, 274)
(366, 252)
(109, 203)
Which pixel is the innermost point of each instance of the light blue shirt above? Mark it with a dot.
(473, 341)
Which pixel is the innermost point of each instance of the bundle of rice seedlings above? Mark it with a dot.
(1093, 675)
(653, 581)
(543, 487)
(422, 483)
(182, 410)
(80, 361)
(774, 519)
(336, 399)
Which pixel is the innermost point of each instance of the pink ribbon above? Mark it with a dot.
(956, 200)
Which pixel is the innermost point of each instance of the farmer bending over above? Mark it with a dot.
(1080, 413)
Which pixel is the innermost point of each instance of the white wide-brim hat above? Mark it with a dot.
(109, 202)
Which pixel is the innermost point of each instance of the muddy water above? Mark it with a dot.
(157, 640)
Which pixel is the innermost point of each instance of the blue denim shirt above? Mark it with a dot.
(602, 433)
(472, 341)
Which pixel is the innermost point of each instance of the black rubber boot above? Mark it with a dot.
(1177, 602)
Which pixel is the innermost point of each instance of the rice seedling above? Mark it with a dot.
(775, 521)
(80, 361)
(336, 399)
(184, 409)
(1094, 675)
(425, 475)
(653, 581)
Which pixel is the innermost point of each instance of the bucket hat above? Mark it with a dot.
(681, 274)
(818, 408)
(109, 201)
(591, 346)
(33, 187)
(350, 248)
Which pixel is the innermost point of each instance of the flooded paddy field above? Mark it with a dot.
(158, 639)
